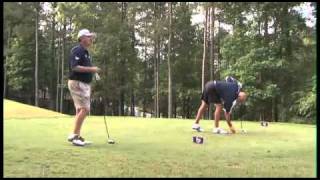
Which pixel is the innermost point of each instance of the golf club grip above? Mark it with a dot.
(104, 116)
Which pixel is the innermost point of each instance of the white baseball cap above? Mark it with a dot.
(85, 32)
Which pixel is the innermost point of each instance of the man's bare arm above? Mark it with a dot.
(86, 69)
(228, 119)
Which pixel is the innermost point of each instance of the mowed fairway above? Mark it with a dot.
(145, 147)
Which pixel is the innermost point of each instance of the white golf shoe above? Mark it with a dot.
(78, 140)
(219, 131)
(71, 137)
(197, 127)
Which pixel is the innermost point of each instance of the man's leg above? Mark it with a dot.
(217, 114)
(77, 114)
(80, 116)
(201, 110)
(77, 111)
(228, 119)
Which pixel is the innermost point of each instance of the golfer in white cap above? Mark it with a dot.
(81, 72)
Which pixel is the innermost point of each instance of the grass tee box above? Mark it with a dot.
(37, 147)
(14, 109)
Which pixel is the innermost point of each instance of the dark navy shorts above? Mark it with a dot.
(209, 94)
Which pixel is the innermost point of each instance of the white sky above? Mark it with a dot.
(198, 17)
(305, 9)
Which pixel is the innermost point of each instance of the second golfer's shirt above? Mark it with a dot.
(228, 91)
(79, 56)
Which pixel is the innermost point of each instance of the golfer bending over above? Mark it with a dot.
(80, 76)
(226, 93)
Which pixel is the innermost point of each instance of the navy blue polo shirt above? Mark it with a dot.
(79, 56)
(228, 92)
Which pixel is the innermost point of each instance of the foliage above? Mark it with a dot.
(267, 46)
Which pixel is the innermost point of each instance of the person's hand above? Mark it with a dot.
(97, 76)
(232, 130)
(96, 69)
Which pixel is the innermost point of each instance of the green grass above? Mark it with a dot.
(14, 109)
(37, 147)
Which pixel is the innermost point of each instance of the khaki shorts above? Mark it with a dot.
(80, 93)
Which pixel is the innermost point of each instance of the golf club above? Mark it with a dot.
(243, 131)
(110, 141)
(264, 123)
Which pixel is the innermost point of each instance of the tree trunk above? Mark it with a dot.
(4, 76)
(266, 29)
(144, 107)
(212, 17)
(5, 64)
(212, 50)
(124, 10)
(62, 65)
(259, 27)
(58, 72)
(37, 58)
(275, 109)
(169, 67)
(219, 56)
(122, 60)
(145, 75)
(52, 85)
(155, 79)
(183, 107)
(156, 61)
(188, 107)
(158, 88)
(287, 34)
(204, 49)
(121, 102)
(175, 108)
(132, 111)
(120, 105)
(206, 63)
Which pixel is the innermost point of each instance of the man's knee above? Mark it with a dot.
(84, 110)
(218, 107)
(204, 105)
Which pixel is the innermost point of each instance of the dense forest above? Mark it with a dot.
(155, 58)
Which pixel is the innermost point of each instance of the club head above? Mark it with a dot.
(110, 141)
(264, 123)
(243, 131)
